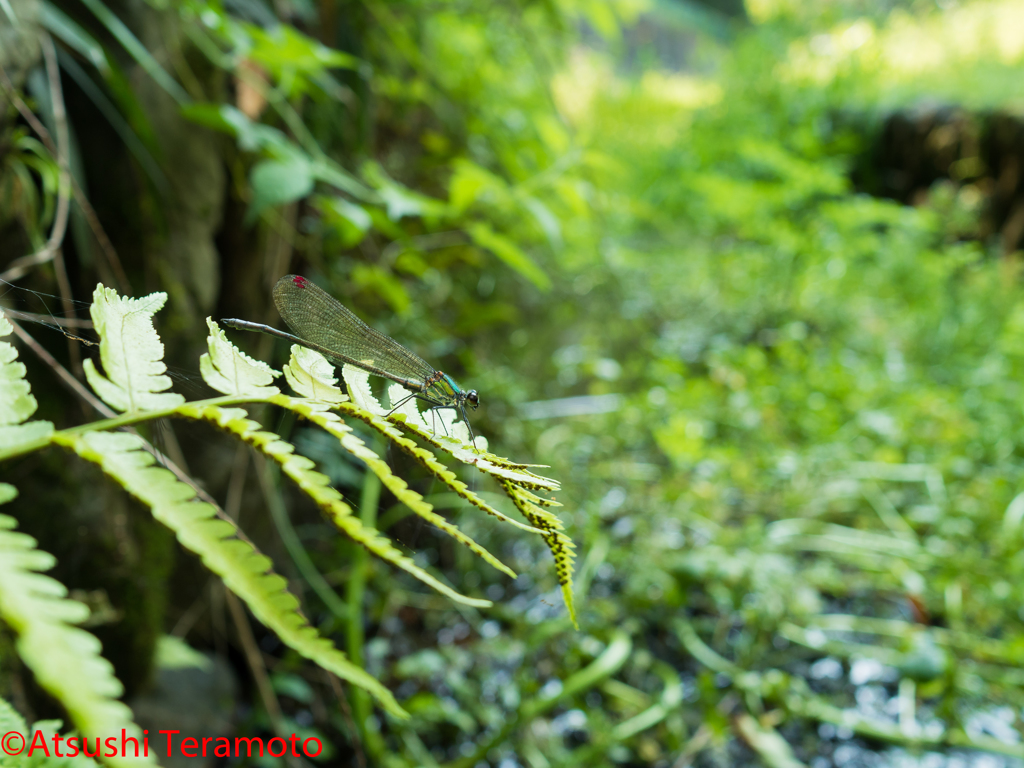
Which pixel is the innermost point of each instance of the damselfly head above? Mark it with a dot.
(473, 399)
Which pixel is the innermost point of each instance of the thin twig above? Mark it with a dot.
(79, 195)
(48, 320)
(171, 448)
(21, 266)
(693, 747)
(188, 619)
(254, 659)
(236, 482)
(65, 376)
(60, 122)
(346, 712)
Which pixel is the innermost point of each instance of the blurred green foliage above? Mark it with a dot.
(800, 522)
(805, 507)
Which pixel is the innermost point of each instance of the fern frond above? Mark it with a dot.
(318, 380)
(429, 462)
(65, 660)
(561, 546)
(442, 420)
(131, 353)
(231, 371)
(515, 479)
(17, 402)
(301, 471)
(333, 425)
(311, 375)
(245, 571)
(457, 444)
(10, 721)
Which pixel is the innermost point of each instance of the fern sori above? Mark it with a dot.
(515, 479)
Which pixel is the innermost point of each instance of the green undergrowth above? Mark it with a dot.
(131, 378)
(809, 501)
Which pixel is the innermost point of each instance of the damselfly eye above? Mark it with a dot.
(473, 399)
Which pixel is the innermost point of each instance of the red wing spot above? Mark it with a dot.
(300, 281)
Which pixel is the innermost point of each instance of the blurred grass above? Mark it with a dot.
(822, 433)
(800, 524)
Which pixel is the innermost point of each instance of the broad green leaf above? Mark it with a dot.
(553, 133)
(232, 372)
(131, 353)
(510, 253)
(276, 182)
(349, 220)
(471, 183)
(283, 50)
(384, 283)
(330, 173)
(547, 220)
(251, 136)
(399, 200)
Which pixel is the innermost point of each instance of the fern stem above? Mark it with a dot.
(270, 482)
(124, 420)
(368, 503)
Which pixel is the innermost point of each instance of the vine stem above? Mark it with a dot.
(356, 592)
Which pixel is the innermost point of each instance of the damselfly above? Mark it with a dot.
(321, 323)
